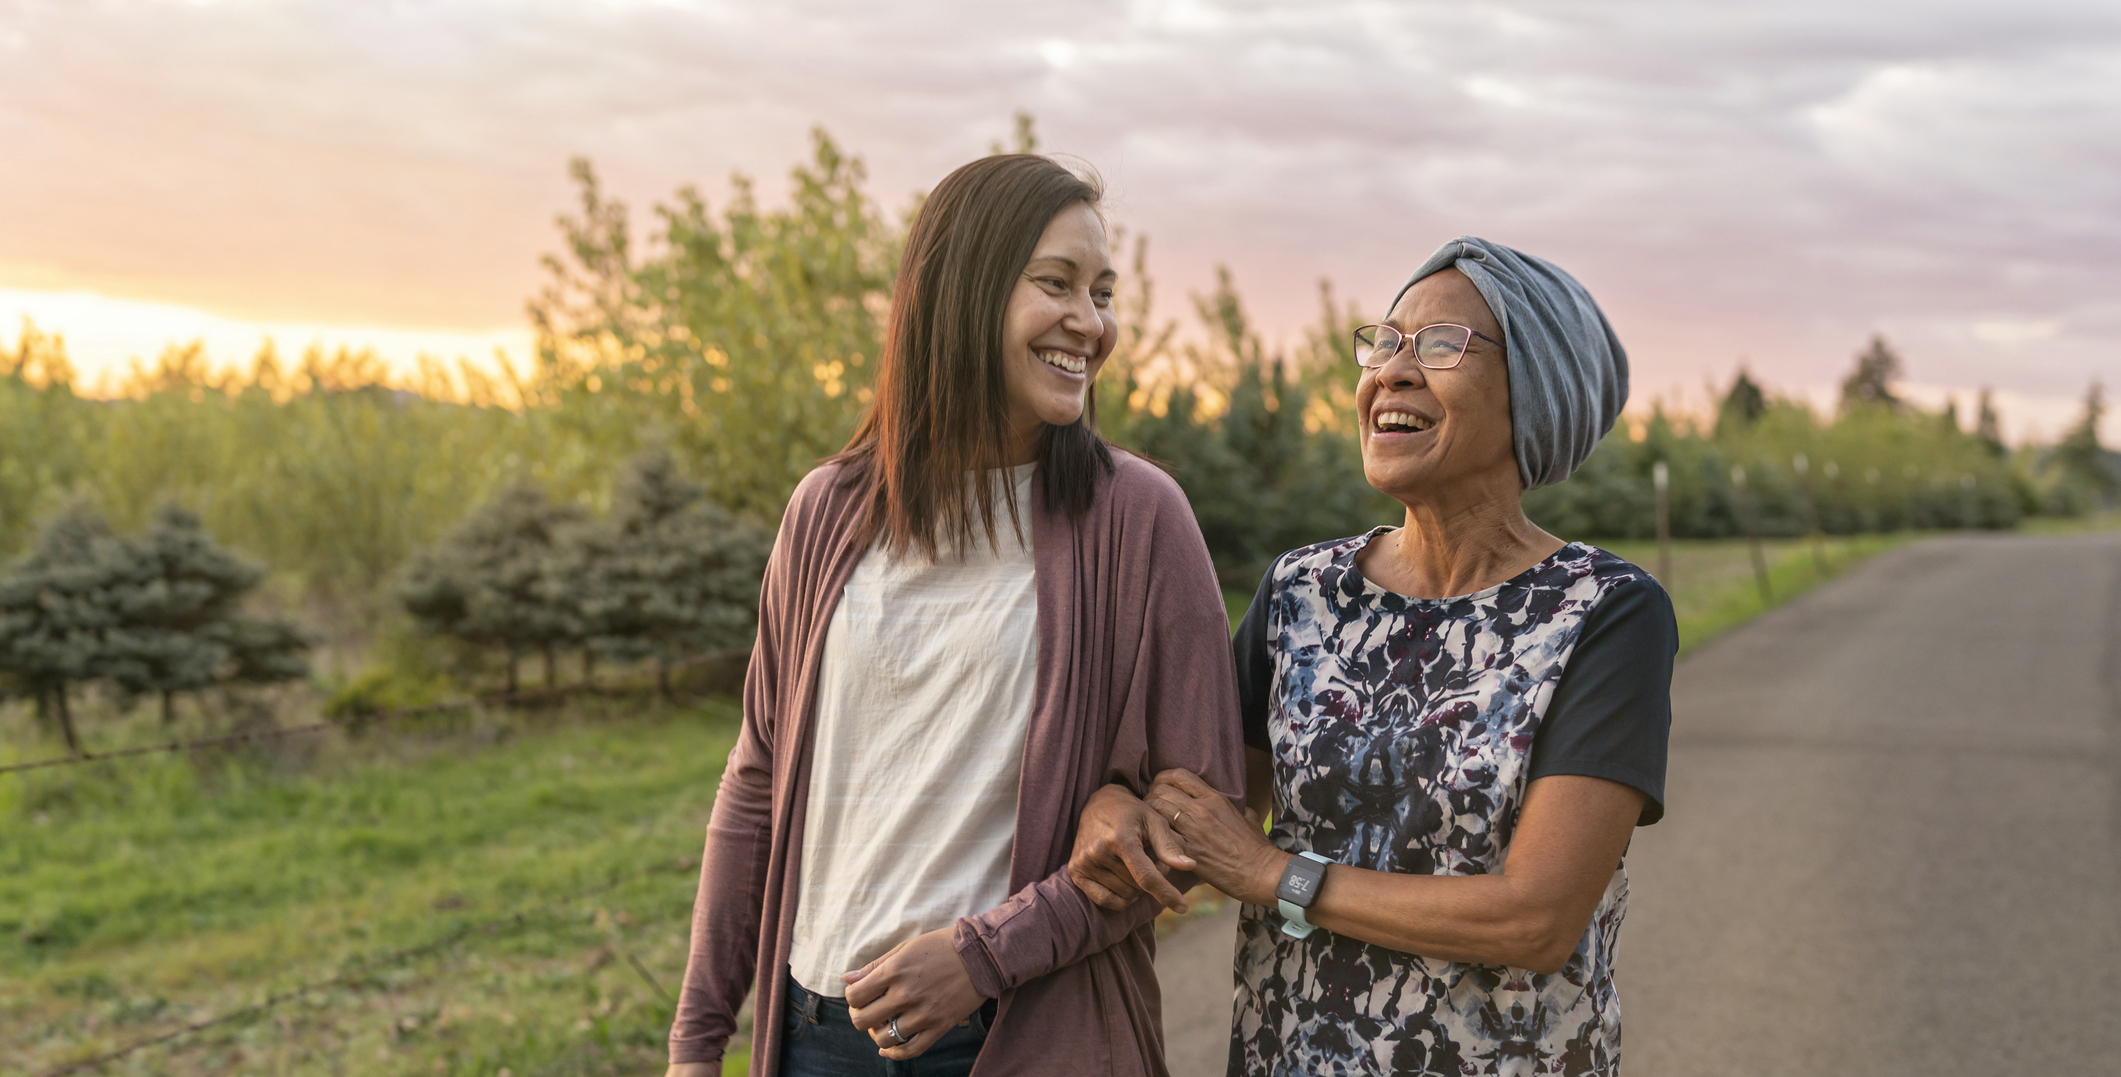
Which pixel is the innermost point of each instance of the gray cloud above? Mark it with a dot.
(1772, 181)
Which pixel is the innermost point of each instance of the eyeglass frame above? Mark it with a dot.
(1405, 336)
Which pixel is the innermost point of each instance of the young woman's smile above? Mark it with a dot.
(1059, 326)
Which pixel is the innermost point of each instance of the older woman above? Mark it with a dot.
(1456, 724)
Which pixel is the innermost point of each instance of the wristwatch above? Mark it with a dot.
(1297, 890)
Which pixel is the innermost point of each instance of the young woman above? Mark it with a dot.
(974, 617)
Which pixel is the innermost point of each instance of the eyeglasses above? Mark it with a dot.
(1436, 347)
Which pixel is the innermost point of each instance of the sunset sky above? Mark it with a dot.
(1765, 182)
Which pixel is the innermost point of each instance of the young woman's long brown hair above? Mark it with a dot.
(941, 410)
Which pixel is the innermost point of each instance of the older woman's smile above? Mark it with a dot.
(1401, 421)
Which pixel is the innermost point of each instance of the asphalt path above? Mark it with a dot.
(1891, 840)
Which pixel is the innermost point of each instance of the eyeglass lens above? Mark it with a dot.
(1437, 347)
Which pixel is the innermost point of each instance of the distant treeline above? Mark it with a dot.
(743, 343)
(1878, 464)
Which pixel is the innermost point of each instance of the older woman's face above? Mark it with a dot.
(1462, 414)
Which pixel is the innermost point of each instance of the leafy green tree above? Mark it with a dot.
(324, 464)
(744, 341)
(45, 432)
(670, 574)
(1023, 136)
(493, 582)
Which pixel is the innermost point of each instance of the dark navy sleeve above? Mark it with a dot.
(1255, 666)
(1611, 715)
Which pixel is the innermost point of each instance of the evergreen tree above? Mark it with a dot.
(177, 587)
(156, 615)
(1870, 384)
(2080, 457)
(1260, 478)
(262, 650)
(1988, 426)
(493, 581)
(671, 574)
(1742, 406)
(55, 613)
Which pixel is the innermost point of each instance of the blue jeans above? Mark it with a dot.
(818, 1039)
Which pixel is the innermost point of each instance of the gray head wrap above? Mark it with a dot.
(1568, 373)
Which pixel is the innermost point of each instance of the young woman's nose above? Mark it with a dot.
(1080, 316)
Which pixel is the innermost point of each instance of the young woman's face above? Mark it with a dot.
(1059, 325)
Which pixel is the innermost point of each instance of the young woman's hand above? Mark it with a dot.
(1112, 863)
(921, 982)
(1226, 846)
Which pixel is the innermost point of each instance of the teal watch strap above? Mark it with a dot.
(1295, 924)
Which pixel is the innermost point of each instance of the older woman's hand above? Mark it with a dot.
(1228, 850)
(1121, 850)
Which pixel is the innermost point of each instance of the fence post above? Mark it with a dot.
(1752, 532)
(1661, 477)
(1803, 464)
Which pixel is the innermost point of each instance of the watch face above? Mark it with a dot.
(1299, 881)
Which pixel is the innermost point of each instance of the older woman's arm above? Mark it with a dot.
(1568, 843)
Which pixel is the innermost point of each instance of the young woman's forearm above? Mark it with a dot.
(728, 908)
(1047, 925)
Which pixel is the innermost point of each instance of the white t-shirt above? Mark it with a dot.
(924, 696)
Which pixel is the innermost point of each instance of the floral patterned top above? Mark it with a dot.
(1404, 732)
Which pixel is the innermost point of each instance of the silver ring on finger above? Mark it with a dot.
(1175, 815)
(896, 1034)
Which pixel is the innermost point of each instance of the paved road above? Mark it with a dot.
(1193, 965)
(1892, 840)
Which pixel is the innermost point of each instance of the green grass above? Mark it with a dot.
(2070, 525)
(143, 894)
(1714, 588)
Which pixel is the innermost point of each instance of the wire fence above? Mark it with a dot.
(363, 721)
(376, 964)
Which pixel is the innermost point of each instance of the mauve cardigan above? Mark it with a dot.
(1134, 676)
